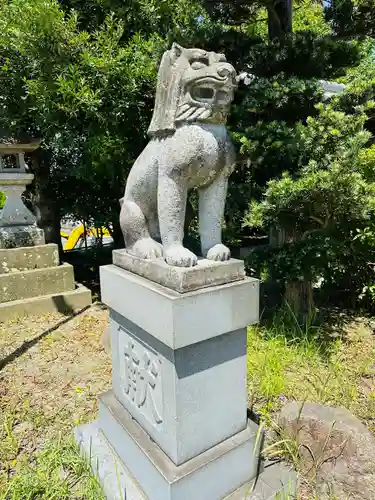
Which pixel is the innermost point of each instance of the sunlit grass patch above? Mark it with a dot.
(57, 472)
(286, 363)
(44, 393)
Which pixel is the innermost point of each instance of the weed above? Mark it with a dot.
(284, 446)
(58, 472)
(286, 362)
(11, 441)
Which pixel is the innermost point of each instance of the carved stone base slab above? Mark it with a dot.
(21, 236)
(277, 482)
(212, 475)
(182, 279)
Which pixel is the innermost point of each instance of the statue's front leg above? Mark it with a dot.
(211, 212)
(172, 197)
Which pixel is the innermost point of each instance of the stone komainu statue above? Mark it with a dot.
(189, 148)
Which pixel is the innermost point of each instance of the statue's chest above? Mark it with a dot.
(203, 153)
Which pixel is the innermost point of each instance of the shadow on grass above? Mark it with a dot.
(330, 321)
(25, 346)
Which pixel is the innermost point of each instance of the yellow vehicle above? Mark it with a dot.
(76, 238)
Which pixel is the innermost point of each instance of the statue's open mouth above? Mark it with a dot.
(203, 94)
(209, 95)
(213, 90)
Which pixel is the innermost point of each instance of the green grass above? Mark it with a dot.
(44, 394)
(333, 366)
(56, 472)
(286, 362)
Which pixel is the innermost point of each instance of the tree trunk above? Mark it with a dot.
(46, 208)
(279, 18)
(298, 294)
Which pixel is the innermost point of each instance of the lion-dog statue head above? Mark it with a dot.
(193, 85)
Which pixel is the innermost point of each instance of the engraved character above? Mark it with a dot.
(148, 376)
(140, 383)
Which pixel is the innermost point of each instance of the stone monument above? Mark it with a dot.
(174, 426)
(32, 281)
(17, 224)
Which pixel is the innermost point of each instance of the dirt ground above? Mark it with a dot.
(53, 367)
(53, 385)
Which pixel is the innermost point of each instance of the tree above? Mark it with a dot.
(319, 208)
(305, 162)
(88, 96)
(273, 116)
(36, 44)
(352, 17)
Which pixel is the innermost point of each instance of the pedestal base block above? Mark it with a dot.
(115, 479)
(277, 482)
(21, 236)
(181, 279)
(212, 475)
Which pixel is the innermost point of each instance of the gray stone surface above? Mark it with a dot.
(21, 236)
(189, 148)
(118, 483)
(343, 448)
(64, 302)
(25, 284)
(211, 475)
(280, 478)
(14, 212)
(182, 279)
(24, 258)
(179, 320)
(115, 479)
(176, 395)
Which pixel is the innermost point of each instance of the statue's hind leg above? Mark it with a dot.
(136, 234)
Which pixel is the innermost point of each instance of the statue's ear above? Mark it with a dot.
(176, 49)
(167, 95)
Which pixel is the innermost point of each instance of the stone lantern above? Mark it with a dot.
(17, 224)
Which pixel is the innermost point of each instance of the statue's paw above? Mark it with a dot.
(218, 252)
(180, 256)
(147, 248)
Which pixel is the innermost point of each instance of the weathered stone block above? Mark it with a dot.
(181, 279)
(32, 283)
(178, 320)
(14, 212)
(339, 441)
(176, 394)
(211, 475)
(118, 483)
(21, 236)
(64, 302)
(24, 258)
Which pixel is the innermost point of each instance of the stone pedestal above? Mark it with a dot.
(32, 281)
(175, 421)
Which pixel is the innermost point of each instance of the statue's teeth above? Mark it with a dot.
(206, 114)
(187, 114)
(183, 108)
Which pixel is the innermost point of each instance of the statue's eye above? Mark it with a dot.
(202, 62)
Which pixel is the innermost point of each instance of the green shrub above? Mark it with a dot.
(2, 199)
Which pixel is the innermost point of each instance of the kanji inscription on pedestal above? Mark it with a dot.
(140, 370)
